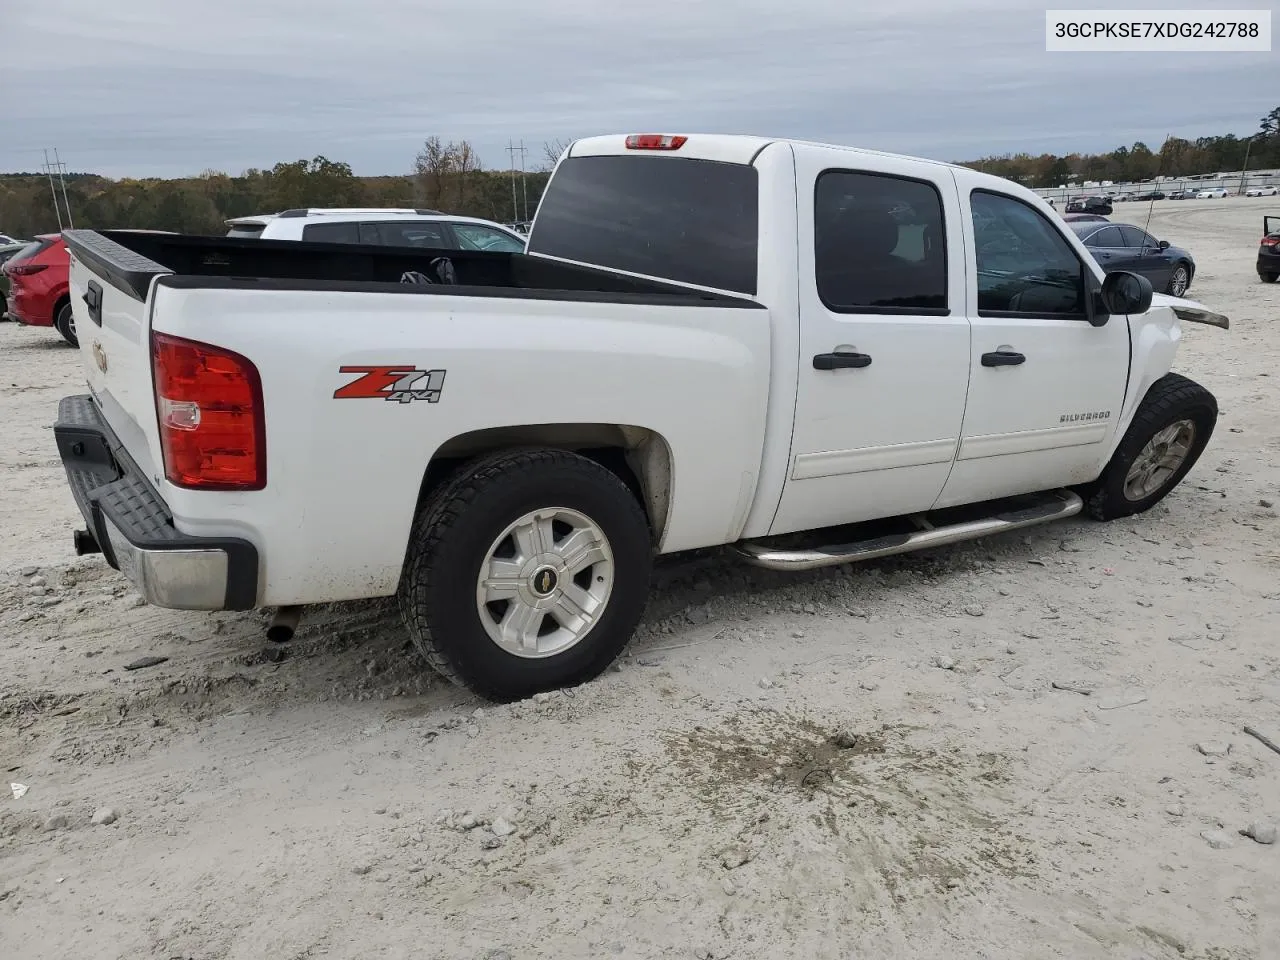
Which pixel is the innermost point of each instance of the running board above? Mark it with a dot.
(1058, 505)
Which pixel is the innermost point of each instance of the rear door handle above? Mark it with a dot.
(840, 361)
(1002, 358)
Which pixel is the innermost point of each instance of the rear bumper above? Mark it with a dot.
(1269, 262)
(134, 528)
(27, 308)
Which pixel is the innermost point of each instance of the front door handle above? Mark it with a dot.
(840, 361)
(1002, 358)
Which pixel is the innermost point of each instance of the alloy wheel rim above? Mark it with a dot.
(1161, 458)
(545, 582)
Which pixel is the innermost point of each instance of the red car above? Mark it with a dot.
(39, 294)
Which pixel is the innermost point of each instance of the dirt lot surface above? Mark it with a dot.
(864, 762)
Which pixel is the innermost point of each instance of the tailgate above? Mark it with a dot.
(110, 296)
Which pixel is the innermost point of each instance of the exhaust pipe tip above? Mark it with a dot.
(283, 624)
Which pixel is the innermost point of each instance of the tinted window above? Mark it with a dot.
(473, 236)
(1024, 265)
(693, 221)
(407, 233)
(331, 233)
(1133, 237)
(1106, 237)
(878, 243)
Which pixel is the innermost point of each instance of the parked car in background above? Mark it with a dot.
(1122, 246)
(38, 294)
(1271, 191)
(383, 227)
(1214, 193)
(1182, 195)
(1084, 218)
(1269, 250)
(1150, 195)
(1099, 205)
(7, 252)
(8, 241)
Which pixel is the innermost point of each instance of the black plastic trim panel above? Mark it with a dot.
(107, 484)
(693, 299)
(121, 267)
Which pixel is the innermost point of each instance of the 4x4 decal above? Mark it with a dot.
(395, 382)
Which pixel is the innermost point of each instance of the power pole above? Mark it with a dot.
(524, 183)
(1244, 170)
(511, 155)
(60, 168)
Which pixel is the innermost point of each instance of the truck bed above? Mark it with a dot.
(129, 261)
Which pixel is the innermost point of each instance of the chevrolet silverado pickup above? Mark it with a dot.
(811, 353)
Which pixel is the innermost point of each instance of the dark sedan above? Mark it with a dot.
(1099, 205)
(1269, 250)
(1121, 246)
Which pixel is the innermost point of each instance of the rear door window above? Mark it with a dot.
(431, 234)
(879, 244)
(691, 221)
(1106, 237)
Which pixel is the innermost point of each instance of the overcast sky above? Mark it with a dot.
(172, 87)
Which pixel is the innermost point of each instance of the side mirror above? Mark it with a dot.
(1124, 292)
(1163, 244)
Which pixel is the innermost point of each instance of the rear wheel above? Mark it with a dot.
(1267, 276)
(527, 572)
(65, 323)
(1179, 279)
(1168, 433)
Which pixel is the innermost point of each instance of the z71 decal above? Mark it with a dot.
(400, 383)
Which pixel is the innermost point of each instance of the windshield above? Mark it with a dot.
(692, 221)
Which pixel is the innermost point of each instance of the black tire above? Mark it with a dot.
(452, 537)
(65, 323)
(1267, 277)
(1171, 399)
(1173, 274)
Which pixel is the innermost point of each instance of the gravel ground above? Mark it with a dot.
(1030, 746)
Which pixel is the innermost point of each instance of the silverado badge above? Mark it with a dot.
(99, 356)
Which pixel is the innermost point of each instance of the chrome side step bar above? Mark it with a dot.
(1059, 505)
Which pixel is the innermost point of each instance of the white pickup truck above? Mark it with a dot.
(813, 353)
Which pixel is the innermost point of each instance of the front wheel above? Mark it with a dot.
(528, 571)
(65, 324)
(1169, 432)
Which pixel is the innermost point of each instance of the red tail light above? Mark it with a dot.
(655, 141)
(24, 269)
(1271, 241)
(212, 423)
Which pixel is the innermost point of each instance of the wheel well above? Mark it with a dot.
(639, 457)
(58, 304)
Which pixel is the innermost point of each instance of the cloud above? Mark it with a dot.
(171, 87)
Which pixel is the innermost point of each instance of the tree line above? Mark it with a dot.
(449, 177)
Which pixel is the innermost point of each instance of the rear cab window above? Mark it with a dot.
(676, 218)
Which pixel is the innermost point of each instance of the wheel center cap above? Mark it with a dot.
(544, 581)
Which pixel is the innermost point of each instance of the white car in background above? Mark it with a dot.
(1270, 191)
(386, 227)
(1216, 193)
